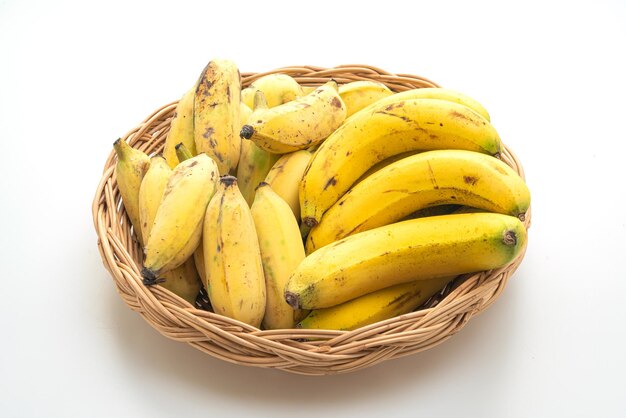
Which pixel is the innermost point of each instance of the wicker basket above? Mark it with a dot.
(311, 352)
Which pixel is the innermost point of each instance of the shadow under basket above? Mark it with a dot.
(309, 352)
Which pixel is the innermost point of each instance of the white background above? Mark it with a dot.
(74, 76)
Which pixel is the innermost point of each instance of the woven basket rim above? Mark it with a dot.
(310, 352)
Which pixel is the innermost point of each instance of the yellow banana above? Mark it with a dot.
(236, 284)
(244, 112)
(381, 131)
(254, 162)
(298, 124)
(360, 94)
(436, 93)
(181, 129)
(277, 88)
(308, 89)
(151, 192)
(374, 307)
(441, 177)
(198, 255)
(281, 252)
(182, 280)
(130, 168)
(286, 175)
(217, 114)
(417, 249)
(177, 227)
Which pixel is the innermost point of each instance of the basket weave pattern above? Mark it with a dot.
(311, 352)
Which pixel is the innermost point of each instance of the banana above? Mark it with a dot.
(130, 168)
(308, 89)
(374, 307)
(277, 88)
(281, 252)
(198, 255)
(384, 163)
(417, 249)
(244, 112)
(151, 192)
(254, 162)
(298, 124)
(181, 129)
(285, 177)
(441, 177)
(358, 95)
(236, 284)
(381, 131)
(216, 114)
(177, 227)
(183, 280)
(436, 93)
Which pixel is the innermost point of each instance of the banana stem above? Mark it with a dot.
(182, 152)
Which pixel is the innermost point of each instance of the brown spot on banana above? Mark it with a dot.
(331, 182)
(336, 102)
(509, 238)
(470, 180)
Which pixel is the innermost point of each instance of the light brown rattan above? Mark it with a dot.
(310, 352)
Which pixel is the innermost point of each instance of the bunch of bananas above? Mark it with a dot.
(325, 207)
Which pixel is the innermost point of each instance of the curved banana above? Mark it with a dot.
(281, 251)
(380, 131)
(438, 246)
(151, 192)
(442, 177)
(182, 280)
(254, 162)
(285, 177)
(277, 88)
(436, 93)
(375, 307)
(358, 95)
(130, 168)
(181, 129)
(183, 154)
(236, 284)
(216, 114)
(298, 124)
(177, 226)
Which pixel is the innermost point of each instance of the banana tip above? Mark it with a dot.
(309, 221)
(228, 180)
(246, 132)
(509, 238)
(292, 299)
(150, 277)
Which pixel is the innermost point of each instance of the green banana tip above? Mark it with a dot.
(246, 132)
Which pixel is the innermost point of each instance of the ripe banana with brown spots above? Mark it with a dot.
(177, 226)
(441, 177)
(184, 279)
(281, 251)
(374, 307)
(381, 131)
(298, 124)
(217, 114)
(402, 252)
(236, 283)
(130, 168)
